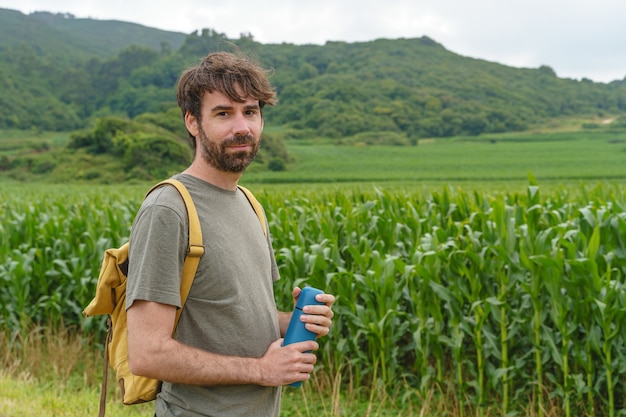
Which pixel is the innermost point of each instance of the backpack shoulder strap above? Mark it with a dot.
(258, 209)
(195, 249)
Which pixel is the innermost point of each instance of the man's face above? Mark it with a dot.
(229, 134)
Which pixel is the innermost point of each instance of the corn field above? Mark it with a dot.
(513, 302)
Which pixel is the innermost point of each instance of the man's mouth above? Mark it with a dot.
(240, 146)
(240, 143)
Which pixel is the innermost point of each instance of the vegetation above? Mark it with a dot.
(117, 97)
(69, 37)
(379, 251)
(397, 175)
(508, 300)
(402, 89)
(494, 160)
(58, 374)
(117, 150)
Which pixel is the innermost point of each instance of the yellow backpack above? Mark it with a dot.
(110, 299)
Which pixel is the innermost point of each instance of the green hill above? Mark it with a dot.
(65, 35)
(104, 78)
(66, 71)
(51, 63)
(417, 87)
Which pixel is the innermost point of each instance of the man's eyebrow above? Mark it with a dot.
(219, 108)
(253, 107)
(223, 107)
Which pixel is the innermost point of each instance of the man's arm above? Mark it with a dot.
(152, 352)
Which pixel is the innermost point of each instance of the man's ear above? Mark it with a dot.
(191, 122)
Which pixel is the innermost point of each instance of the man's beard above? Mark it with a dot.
(218, 157)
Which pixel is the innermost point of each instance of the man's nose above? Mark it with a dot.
(240, 126)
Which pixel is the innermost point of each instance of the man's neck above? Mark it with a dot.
(221, 179)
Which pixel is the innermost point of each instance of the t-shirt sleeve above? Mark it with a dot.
(158, 244)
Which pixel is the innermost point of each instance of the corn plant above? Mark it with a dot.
(503, 303)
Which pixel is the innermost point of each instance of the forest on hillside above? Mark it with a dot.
(403, 89)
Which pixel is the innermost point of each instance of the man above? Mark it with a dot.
(226, 358)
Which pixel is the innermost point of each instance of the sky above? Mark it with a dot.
(576, 38)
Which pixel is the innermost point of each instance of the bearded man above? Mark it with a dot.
(226, 358)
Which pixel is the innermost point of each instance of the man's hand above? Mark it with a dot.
(283, 365)
(318, 318)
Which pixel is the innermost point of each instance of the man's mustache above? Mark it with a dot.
(239, 140)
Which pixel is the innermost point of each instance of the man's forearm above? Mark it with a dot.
(179, 363)
(153, 353)
(175, 362)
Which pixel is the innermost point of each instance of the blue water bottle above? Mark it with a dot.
(296, 332)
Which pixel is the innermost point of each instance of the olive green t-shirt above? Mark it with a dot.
(230, 309)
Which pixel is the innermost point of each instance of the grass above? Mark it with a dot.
(51, 373)
(461, 161)
(24, 396)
